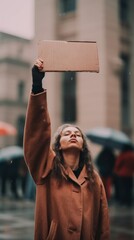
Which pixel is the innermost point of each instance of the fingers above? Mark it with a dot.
(39, 64)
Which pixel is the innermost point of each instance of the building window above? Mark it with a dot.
(69, 97)
(21, 90)
(124, 11)
(125, 93)
(20, 127)
(67, 6)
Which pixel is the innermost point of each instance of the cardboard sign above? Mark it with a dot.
(59, 56)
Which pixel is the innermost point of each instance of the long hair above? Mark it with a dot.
(85, 156)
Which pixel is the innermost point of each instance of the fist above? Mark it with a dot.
(37, 73)
(39, 64)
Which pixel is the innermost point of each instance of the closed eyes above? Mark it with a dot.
(69, 133)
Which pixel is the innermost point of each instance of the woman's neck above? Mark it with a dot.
(71, 158)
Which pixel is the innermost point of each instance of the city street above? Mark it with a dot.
(17, 221)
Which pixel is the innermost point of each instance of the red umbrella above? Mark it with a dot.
(7, 129)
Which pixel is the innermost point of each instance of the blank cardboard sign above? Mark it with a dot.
(59, 56)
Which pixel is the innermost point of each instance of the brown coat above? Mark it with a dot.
(70, 211)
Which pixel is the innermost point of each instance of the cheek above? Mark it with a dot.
(63, 142)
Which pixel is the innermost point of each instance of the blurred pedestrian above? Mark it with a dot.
(70, 197)
(124, 173)
(3, 177)
(105, 162)
(23, 172)
(9, 177)
(30, 190)
(13, 176)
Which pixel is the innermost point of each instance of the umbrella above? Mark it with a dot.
(109, 137)
(7, 129)
(12, 152)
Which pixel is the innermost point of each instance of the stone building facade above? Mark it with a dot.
(86, 99)
(104, 99)
(15, 62)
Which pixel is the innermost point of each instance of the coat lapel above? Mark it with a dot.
(82, 177)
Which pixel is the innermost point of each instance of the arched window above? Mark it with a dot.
(21, 89)
(67, 6)
(20, 127)
(69, 97)
(124, 9)
(125, 92)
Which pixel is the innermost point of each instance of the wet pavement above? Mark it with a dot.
(122, 223)
(17, 221)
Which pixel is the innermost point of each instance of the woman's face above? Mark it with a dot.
(71, 138)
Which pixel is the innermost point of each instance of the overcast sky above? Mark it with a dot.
(17, 17)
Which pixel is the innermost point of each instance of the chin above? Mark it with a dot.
(74, 147)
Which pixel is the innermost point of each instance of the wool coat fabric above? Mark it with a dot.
(65, 211)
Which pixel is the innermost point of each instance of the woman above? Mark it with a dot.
(70, 197)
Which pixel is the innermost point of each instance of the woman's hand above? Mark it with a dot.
(37, 73)
(39, 64)
(37, 76)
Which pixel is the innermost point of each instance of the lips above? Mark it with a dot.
(73, 140)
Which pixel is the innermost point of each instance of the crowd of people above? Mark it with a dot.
(117, 173)
(15, 180)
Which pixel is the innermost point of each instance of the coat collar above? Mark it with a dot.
(68, 173)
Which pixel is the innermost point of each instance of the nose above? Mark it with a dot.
(73, 134)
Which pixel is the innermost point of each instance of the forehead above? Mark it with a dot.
(71, 129)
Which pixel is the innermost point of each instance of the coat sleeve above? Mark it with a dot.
(103, 232)
(37, 136)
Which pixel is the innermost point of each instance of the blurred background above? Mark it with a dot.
(90, 100)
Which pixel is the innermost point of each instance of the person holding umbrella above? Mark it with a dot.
(70, 196)
(124, 172)
(10, 159)
(105, 162)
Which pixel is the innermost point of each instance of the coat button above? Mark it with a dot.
(75, 190)
(42, 107)
(72, 229)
